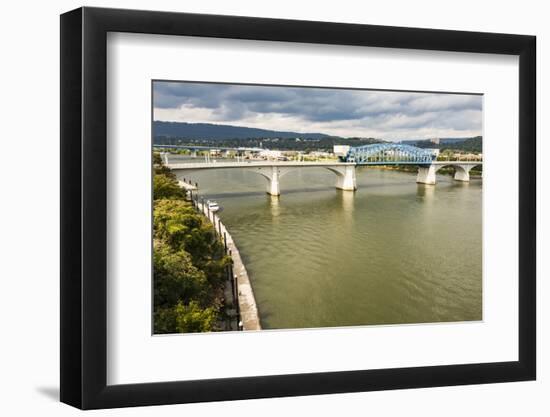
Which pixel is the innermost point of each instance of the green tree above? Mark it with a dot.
(159, 168)
(176, 279)
(157, 159)
(166, 187)
(185, 319)
(189, 261)
(176, 223)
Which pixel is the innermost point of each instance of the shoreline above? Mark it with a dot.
(247, 306)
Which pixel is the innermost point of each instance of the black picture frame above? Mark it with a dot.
(84, 207)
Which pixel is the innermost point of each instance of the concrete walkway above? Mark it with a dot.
(187, 186)
(247, 303)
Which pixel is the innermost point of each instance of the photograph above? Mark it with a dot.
(256, 205)
(279, 207)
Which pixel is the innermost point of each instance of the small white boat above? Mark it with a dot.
(212, 205)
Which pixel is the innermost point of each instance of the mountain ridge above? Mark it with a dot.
(213, 131)
(231, 135)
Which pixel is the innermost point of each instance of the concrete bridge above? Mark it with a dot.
(426, 173)
(344, 171)
(274, 171)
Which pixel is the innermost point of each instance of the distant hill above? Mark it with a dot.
(208, 131)
(442, 141)
(472, 144)
(448, 141)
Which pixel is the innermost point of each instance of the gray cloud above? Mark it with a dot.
(383, 111)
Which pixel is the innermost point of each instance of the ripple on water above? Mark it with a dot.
(393, 252)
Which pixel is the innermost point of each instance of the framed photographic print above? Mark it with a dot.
(258, 207)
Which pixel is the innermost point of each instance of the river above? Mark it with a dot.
(392, 252)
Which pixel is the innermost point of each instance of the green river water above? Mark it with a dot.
(392, 252)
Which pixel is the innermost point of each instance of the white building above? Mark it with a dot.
(341, 150)
(270, 154)
(320, 154)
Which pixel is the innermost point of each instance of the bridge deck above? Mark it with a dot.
(252, 164)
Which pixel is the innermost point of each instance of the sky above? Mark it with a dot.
(388, 115)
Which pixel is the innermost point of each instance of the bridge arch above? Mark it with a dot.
(478, 168)
(345, 176)
(462, 171)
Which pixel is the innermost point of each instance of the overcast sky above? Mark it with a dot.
(381, 114)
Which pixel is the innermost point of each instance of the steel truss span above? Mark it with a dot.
(389, 153)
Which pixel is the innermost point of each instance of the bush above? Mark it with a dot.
(185, 319)
(176, 278)
(166, 187)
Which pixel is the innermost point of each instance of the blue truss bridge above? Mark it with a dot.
(389, 154)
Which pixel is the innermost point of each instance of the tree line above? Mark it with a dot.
(189, 261)
(474, 145)
(288, 144)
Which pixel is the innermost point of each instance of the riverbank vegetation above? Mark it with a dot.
(189, 261)
(466, 145)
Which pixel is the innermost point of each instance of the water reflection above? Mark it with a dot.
(425, 192)
(275, 206)
(348, 203)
